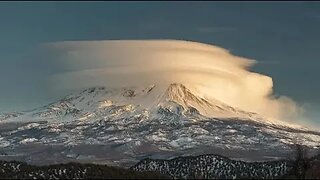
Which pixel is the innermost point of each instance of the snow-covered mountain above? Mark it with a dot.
(122, 126)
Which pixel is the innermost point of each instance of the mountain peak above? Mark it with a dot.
(179, 92)
(177, 85)
(182, 95)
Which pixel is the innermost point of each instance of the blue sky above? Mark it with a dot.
(282, 36)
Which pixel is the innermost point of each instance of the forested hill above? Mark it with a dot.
(207, 166)
(19, 170)
(214, 166)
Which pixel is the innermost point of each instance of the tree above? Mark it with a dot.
(301, 163)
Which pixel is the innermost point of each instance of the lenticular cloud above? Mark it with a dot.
(211, 71)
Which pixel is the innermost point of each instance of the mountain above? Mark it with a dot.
(122, 126)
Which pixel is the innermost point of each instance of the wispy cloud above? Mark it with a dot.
(268, 62)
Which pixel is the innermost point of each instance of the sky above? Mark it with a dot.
(281, 36)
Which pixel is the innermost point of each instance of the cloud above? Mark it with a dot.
(269, 62)
(209, 70)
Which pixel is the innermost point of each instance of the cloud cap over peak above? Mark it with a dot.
(209, 70)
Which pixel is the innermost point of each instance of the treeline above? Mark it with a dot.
(304, 167)
(199, 167)
(19, 170)
(212, 166)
